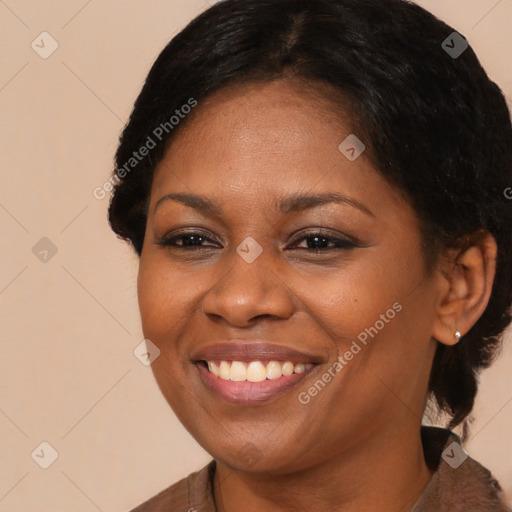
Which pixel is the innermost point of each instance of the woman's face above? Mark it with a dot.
(243, 282)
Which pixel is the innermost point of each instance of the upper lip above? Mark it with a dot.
(246, 351)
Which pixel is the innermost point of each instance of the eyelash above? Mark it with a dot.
(169, 241)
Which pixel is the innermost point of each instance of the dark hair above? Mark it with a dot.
(434, 125)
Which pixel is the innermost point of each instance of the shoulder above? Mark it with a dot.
(459, 483)
(190, 494)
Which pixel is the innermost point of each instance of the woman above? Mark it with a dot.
(315, 189)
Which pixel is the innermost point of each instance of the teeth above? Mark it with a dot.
(299, 368)
(224, 370)
(238, 372)
(213, 368)
(287, 368)
(274, 370)
(255, 371)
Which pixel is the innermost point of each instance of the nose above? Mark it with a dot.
(248, 291)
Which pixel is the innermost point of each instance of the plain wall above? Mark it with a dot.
(69, 325)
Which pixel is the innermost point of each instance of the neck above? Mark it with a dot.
(388, 474)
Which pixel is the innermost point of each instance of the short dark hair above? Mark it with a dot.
(434, 125)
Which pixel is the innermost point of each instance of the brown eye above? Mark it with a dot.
(189, 241)
(320, 242)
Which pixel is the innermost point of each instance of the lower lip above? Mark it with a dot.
(250, 393)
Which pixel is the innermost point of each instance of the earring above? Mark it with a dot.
(457, 335)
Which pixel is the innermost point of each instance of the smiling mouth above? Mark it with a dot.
(252, 372)
(255, 371)
(250, 383)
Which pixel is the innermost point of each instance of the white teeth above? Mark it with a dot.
(213, 368)
(224, 370)
(299, 368)
(274, 370)
(287, 368)
(238, 372)
(255, 371)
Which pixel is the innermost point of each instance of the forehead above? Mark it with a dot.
(256, 126)
(263, 141)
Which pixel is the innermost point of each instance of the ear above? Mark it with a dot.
(466, 278)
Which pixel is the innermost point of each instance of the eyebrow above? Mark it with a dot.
(286, 205)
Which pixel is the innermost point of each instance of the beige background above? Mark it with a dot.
(69, 325)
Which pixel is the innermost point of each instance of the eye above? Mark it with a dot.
(194, 240)
(191, 240)
(320, 242)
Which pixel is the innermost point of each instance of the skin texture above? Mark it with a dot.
(356, 444)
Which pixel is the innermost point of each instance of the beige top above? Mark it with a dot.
(459, 484)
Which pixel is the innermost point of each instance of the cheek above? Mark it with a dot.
(161, 299)
(161, 304)
(386, 356)
(375, 313)
(352, 299)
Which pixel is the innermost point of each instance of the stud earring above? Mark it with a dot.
(457, 335)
